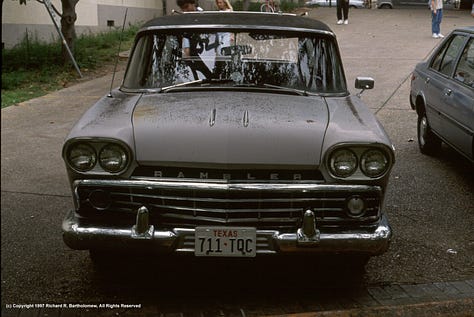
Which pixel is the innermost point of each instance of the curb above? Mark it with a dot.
(452, 308)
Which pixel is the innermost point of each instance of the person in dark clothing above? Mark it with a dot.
(342, 11)
(188, 5)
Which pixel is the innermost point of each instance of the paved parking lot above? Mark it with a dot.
(417, 277)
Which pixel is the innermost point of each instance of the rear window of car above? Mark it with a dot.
(308, 62)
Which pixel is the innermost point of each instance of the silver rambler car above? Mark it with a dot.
(233, 135)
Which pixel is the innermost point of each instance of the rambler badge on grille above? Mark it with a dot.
(228, 174)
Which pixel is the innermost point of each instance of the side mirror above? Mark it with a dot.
(364, 83)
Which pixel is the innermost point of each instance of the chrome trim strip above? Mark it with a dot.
(245, 119)
(234, 27)
(212, 118)
(226, 185)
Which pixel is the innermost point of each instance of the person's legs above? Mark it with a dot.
(436, 21)
(339, 9)
(440, 18)
(345, 9)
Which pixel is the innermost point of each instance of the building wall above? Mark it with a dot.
(92, 16)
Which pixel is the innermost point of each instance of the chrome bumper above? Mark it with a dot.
(307, 239)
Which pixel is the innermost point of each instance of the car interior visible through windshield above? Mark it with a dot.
(305, 62)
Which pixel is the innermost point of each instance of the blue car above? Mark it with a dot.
(442, 93)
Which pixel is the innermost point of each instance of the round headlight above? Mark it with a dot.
(81, 157)
(343, 163)
(113, 158)
(374, 163)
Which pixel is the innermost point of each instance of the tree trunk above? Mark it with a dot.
(68, 19)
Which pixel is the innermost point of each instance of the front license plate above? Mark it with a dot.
(225, 241)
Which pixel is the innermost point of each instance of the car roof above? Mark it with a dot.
(238, 19)
(467, 29)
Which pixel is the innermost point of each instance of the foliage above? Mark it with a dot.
(34, 68)
(287, 6)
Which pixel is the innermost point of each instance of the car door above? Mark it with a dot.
(414, 2)
(458, 115)
(439, 72)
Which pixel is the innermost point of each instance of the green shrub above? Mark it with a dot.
(33, 67)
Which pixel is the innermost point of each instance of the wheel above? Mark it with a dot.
(266, 8)
(428, 142)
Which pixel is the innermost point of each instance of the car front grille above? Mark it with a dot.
(187, 204)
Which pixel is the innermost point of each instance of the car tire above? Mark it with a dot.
(428, 142)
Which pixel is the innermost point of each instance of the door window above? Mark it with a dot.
(465, 70)
(445, 61)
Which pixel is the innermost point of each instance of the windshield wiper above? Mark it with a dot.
(289, 89)
(285, 89)
(227, 80)
(188, 83)
(199, 81)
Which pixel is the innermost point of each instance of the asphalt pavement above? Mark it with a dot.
(33, 179)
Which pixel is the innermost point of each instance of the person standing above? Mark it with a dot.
(436, 17)
(188, 5)
(342, 11)
(224, 39)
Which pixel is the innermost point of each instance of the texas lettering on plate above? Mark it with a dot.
(225, 241)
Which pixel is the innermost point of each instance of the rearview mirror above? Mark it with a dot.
(236, 49)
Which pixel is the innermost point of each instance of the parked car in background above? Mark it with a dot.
(232, 135)
(390, 4)
(442, 93)
(326, 3)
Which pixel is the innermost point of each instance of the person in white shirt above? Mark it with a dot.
(436, 17)
(224, 39)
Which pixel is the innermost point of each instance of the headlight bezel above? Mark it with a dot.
(341, 173)
(92, 155)
(361, 151)
(122, 157)
(364, 168)
(98, 145)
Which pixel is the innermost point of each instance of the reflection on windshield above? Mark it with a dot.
(236, 58)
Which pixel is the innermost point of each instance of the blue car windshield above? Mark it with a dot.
(307, 62)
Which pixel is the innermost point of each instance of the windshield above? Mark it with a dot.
(306, 62)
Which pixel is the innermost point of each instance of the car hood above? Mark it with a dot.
(229, 128)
